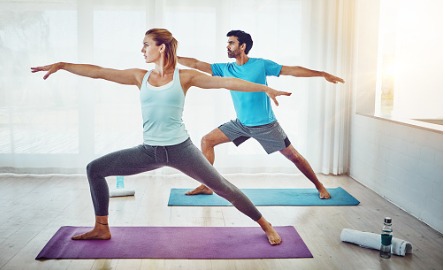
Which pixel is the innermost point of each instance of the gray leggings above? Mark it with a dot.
(185, 157)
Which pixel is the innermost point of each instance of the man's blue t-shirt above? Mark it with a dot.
(252, 108)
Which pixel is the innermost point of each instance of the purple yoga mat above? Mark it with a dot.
(176, 243)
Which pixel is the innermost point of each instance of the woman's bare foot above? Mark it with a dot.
(92, 235)
(272, 235)
(202, 189)
(101, 231)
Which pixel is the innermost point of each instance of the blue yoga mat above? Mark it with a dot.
(267, 197)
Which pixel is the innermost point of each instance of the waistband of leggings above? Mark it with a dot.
(185, 143)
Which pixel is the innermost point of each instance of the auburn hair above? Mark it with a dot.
(163, 36)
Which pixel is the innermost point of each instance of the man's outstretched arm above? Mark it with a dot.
(305, 72)
(196, 64)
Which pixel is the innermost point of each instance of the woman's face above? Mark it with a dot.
(151, 51)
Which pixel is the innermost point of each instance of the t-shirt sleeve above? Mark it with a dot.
(272, 68)
(217, 69)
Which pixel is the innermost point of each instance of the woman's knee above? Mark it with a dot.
(225, 189)
(93, 169)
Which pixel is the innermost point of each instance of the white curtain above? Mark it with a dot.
(61, 124)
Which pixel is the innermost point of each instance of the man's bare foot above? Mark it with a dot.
(272, 235)
(324, 194)
(99, 232)
(202, 189)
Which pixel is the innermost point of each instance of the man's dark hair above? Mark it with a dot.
(243, 37)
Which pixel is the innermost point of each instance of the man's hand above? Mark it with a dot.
(331, 78)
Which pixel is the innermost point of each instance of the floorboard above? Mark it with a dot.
(34, 207)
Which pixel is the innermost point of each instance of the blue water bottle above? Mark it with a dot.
(119, 182)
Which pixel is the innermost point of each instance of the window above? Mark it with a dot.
(410, 60)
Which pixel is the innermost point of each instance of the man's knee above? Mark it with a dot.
(214, 138)
(292, 154)
(207, 142)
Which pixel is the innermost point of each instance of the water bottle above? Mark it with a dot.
(119, 182)
(386, 236)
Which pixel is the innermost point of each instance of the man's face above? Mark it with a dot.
(233, 48)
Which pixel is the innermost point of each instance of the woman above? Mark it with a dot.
(166, 141)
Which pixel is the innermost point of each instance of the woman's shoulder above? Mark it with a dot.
(188, 72)
(140, 72)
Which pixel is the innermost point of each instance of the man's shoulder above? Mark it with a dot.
(264, 60)
(221, 64)
(257, 59)
(233, 63)
(254, 60)
(261, 61)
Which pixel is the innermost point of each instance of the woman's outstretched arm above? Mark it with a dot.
(191, 78)
(127, 76)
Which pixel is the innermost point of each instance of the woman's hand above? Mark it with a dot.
(273, 94)
(50, 68)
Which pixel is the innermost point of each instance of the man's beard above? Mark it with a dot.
(231, 54)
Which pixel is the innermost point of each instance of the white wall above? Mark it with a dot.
(402, 163)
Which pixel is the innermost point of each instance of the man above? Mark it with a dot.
(255, 118)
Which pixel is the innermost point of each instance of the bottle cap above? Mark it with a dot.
(388, 220)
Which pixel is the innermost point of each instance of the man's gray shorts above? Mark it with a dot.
(271, 136)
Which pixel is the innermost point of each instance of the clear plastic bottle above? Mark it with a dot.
(386, 236)
(119, 182)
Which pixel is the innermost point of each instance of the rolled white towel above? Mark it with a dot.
(372, 240)
(121, 193)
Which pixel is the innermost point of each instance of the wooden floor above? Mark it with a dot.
(34, 207)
